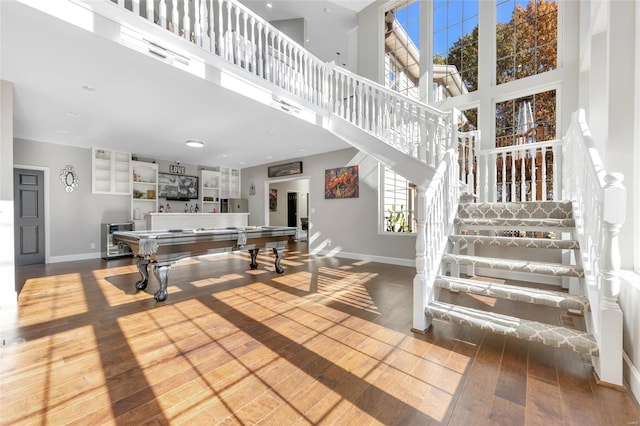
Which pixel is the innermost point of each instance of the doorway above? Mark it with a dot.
(29, 216)
(292, 209)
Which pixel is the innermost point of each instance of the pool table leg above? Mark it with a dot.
(142, 268)
(278, 252)
(162, 273)
(254, 255)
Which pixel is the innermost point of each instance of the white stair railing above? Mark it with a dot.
(235, 34)
(437, 208)
(468, 144)
(412, 127)
(528, 172)
(599, 205)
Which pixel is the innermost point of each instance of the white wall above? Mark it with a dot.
(342, 227)
(295, 29)
(8, 295)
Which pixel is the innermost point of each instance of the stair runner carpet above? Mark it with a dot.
(542, 216)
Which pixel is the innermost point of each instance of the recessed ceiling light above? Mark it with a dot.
(269, 5)
(269, 157)
(327, 10)
(62, 132)
(242, 162)
(89, 88)
(72, 114)
(195, 144)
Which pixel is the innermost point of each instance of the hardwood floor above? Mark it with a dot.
(327, 342)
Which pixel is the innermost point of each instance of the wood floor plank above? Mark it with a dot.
(327, 342)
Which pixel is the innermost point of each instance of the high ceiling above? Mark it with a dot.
(147, 107)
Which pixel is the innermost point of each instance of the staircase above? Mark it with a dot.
(525, 224)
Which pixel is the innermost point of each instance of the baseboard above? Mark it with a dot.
(74, 257)
(369, 258)
(632, 376)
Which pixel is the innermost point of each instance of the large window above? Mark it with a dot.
(397, 202)
(455, 48)
(526, 38)
(402, 49)
(524, 121)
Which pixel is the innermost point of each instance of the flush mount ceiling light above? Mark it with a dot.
(89, 88)
(195, 144)
(72, 114)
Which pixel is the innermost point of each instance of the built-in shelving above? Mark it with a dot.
(229, 183)
(210, 190)
(110, 171)
(144, 191)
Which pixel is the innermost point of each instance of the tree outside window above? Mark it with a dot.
(526, 38)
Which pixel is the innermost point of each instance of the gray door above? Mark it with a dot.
(28, 196)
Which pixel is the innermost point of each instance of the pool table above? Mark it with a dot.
(164, 248)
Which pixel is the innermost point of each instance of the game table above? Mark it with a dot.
(164, 248)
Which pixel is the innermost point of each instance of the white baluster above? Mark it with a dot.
(174, 17)
(237, 36)
(197, 29)
(523, 175)
(210, 29)
(186, 22)
(245, 49)
(222, 48)
(253, 44)
(271, 52)
(543, 173)
(504, 177)
(534, 181)
(163, 14)
(150, 11)
(260, 52)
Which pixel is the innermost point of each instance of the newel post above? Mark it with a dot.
(420, 293)
(609, 367)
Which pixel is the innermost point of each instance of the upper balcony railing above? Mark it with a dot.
(235, 34)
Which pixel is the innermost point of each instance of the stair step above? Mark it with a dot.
(544, 268)
(524, 242)
(535, 296)
(534, 223)
(521, 210)
(532, 331)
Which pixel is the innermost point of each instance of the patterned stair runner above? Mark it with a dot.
(545, 268)
(519, 217)
(523, 242)
(511, 292)
(525, 224)
(548, 334)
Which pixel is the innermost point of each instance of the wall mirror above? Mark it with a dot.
(69, 178)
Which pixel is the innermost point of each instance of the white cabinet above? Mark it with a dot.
(144, 191)
(229, 183)
(110, 172)
(210, 190)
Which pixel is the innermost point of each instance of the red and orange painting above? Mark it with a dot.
(341, 182)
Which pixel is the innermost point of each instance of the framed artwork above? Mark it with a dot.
(273, 200)
(294, 168)
(341, 182)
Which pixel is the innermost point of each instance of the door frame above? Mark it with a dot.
(47, 224)
(267, 182)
